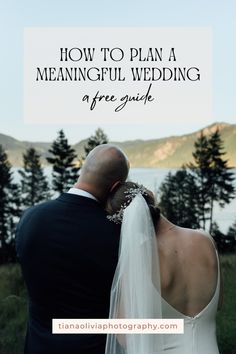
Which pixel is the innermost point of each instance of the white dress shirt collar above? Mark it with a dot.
(81, 192)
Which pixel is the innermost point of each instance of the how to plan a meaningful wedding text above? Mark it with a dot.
(109, 75)
(126, 68)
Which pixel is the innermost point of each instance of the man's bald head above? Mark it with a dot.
(105, 166)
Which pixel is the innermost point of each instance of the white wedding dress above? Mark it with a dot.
(136, 293)
(199, 331)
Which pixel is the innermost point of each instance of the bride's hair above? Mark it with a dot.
(118, 198)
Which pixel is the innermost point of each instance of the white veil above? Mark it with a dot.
(136, 291)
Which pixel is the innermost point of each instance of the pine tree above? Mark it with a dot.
(212, 175)
(98, 138)
(231, 237)
(221, 189)
(9, 209)
(232, 231)
(65, 171)
(167, 197)
(34, 185)
(200, 170)
(178, 199)
(218, 236)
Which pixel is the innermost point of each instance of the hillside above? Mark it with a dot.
(167, 152)
(16, 148)
(176, 150)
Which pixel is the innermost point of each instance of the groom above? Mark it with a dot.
(68, 252)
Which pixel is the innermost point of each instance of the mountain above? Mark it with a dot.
(175, 151)
(167, 152)
(15, 148)
(172, 151)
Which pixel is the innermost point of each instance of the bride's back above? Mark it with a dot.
(189, 269)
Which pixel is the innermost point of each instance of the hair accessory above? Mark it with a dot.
(130, 194)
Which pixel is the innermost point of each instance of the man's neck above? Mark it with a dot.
(89, 189)
(82, 193)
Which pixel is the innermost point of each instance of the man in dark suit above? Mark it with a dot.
(68, 252)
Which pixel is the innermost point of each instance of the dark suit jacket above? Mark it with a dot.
(68, 252)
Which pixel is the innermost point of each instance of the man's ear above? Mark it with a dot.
(115, 186)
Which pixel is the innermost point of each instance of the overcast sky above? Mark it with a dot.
(15, 15)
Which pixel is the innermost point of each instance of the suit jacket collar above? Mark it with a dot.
(77, 199)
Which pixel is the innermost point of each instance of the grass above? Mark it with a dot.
(226, 318)
(13, 309)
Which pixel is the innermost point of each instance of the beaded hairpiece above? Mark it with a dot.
(130, 194)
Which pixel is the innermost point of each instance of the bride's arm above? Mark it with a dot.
(221, 297)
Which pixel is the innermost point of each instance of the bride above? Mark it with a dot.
(164, 271)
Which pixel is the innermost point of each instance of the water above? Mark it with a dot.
(152, 179)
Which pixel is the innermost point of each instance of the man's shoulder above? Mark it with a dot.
(77, 208)
(44, 206)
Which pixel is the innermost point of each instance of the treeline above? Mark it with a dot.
(187, 197)
(34, 186)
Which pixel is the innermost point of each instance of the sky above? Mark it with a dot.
(15, 15)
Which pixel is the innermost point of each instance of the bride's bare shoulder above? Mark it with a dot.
(196, 233)
(196, 238)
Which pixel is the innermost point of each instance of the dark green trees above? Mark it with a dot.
(178, 199)
(232, 231)
(222, 189)
(34, 185)
(231, 237)
(213, 177)
(9, 209)
(65, 171)
(188, 197)
(97, 139)
(200, 170)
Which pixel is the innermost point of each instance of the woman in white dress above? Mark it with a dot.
(164, 271)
